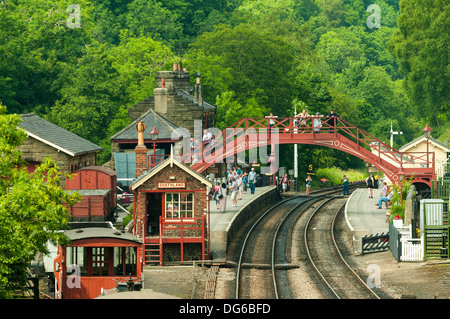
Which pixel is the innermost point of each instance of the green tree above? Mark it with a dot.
(37, 43)
(229, 111)
(31, 210)
(258, 59)
(420, 46)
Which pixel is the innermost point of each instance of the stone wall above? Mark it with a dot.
(34, 150)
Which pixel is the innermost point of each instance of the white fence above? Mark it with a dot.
(412, 249)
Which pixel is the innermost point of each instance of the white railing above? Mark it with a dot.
(412, 249)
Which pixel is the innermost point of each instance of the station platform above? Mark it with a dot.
(363, 216)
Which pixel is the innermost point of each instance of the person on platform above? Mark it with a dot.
(252, 180)
(370, 181)
(245, 182)
(216, 194)
(234, 188)
(223, 198)
(345, 183)
(384, 199)
(284, 181)
(308, 185)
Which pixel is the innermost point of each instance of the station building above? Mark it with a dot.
(171, 209)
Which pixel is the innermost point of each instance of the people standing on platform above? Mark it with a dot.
(284, 181)
(238, 170)
(345, 183)
(245, 182)
(252, 180)
(370, 181)
(308, 185)
(223, 198)
(234, 191)
(216, 193)
(239, 182)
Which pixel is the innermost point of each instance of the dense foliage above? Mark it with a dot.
(255, 57)
(31, 210)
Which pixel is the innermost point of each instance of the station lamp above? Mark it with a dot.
(154, 136)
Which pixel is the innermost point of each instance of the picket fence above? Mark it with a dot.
(411, 248)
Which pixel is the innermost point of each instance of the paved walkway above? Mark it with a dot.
(362, 216)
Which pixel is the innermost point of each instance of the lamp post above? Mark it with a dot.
(427, 131)
(154, 136)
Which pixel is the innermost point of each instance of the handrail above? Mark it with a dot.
(316, 126)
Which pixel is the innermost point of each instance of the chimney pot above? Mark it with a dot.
(140, 127)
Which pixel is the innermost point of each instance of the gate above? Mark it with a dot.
(375, 243)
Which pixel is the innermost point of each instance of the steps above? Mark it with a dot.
(153, 254)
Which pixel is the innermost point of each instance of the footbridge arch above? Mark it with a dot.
(334, 132)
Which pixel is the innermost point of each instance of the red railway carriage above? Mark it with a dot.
(97, 258)
(98, 185)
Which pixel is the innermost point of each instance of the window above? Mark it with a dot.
(76, 256)
(125, 261)
(179, 205)
(100, 259)
(96, 261)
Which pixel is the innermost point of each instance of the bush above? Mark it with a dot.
(335, 174)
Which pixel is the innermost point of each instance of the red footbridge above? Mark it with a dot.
(253, 133)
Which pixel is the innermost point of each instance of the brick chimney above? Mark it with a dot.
(160, 95)
(198, 90)
(140, 150)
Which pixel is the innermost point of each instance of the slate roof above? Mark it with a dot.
(151, 119)
(56, 136)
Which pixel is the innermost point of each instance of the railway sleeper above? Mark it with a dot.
(284, 266)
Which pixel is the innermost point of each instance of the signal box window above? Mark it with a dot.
(179, 205)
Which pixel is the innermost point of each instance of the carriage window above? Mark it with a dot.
(179, 205)
(76, 256)
(100, 258)
(125, 261)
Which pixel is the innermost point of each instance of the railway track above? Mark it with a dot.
(258, 260)
(264, 259)
(326, 258)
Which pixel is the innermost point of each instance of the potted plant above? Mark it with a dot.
(397, 214)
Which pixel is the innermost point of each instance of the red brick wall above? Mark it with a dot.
(141, 159)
